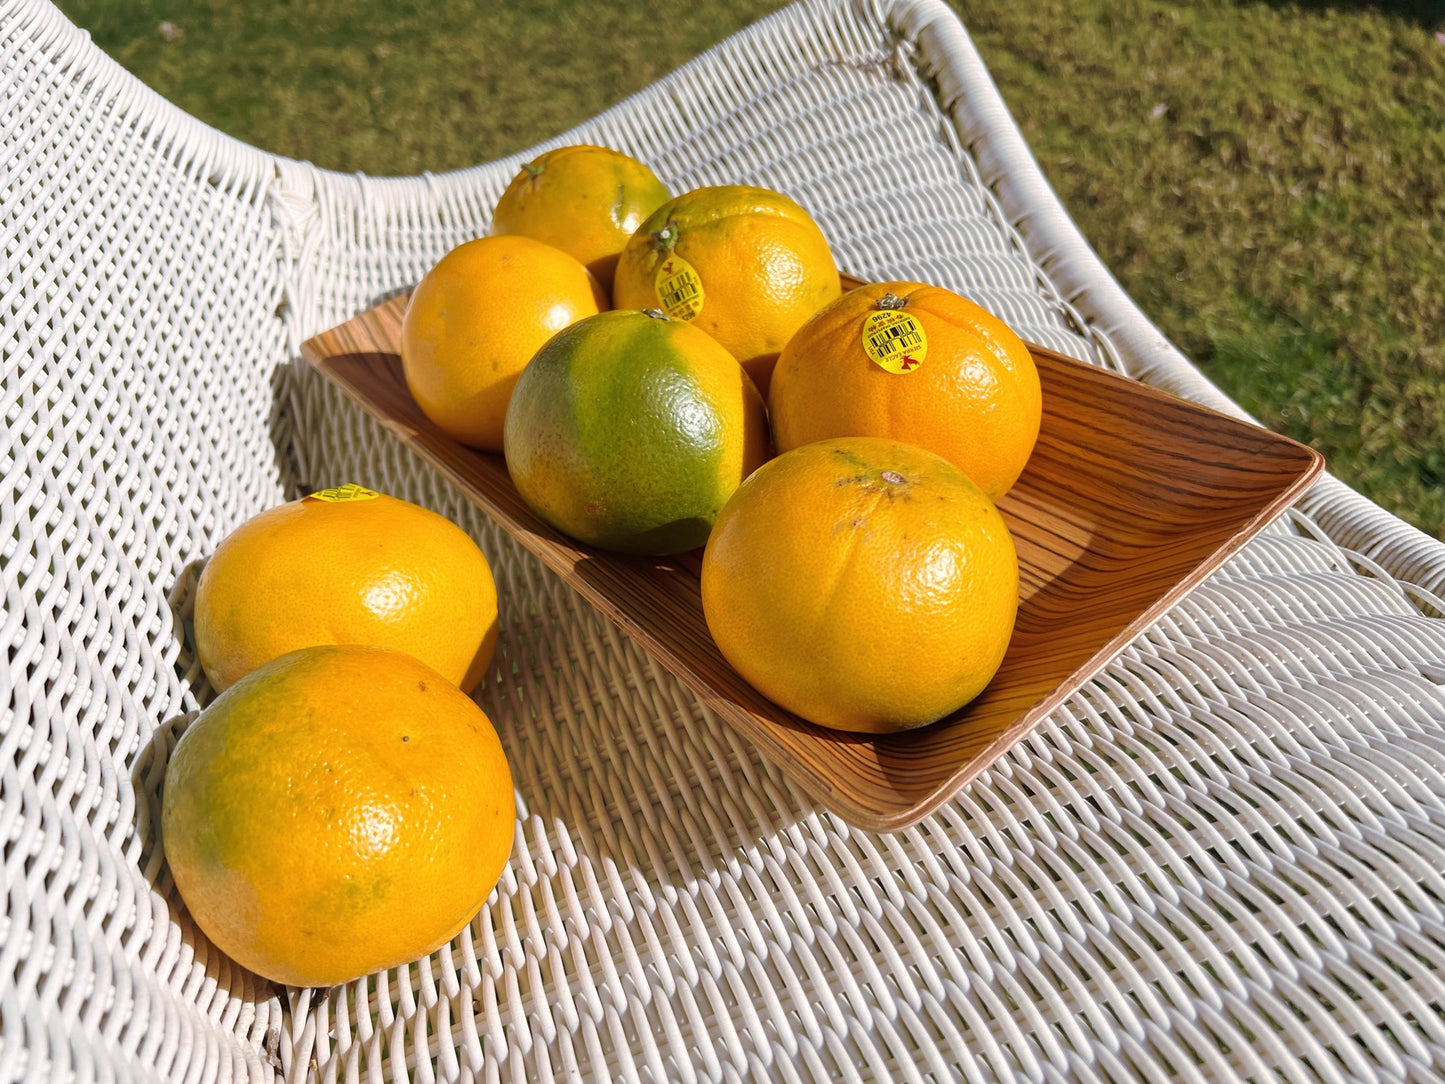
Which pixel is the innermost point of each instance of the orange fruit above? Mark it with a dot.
(918, 363)
(346, 566)
(476, 318)
(585, 200)
(630, 430)
(746, 265)
(341, 810)
(862, 584)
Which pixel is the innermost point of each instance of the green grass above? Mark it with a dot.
(1267, 180)
(400, 88)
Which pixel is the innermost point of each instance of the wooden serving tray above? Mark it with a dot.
(1131, 498)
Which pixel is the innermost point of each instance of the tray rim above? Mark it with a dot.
(314, 352)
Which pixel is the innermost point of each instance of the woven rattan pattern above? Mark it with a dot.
(1221, 858)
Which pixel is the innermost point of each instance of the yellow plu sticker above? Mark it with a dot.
(349, 492)
(679, 288)
(895, 341)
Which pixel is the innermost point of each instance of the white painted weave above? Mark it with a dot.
(1225, 857)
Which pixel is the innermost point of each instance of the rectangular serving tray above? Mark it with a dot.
(1131, 498)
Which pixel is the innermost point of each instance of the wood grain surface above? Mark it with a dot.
(1132, 497)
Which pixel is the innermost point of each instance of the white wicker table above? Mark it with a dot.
(1223, 858)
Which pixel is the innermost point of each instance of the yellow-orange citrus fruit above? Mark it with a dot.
(476, 319)
(341, 810)
(918, 363)
(630, 430)
(862, 584)
(346, 566)
(585, 200)
(747, 265)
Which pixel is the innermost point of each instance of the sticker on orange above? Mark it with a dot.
(679, 288)
(895, 341)
(349, 492)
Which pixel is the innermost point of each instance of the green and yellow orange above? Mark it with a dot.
(630, 430)
(340, 810)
